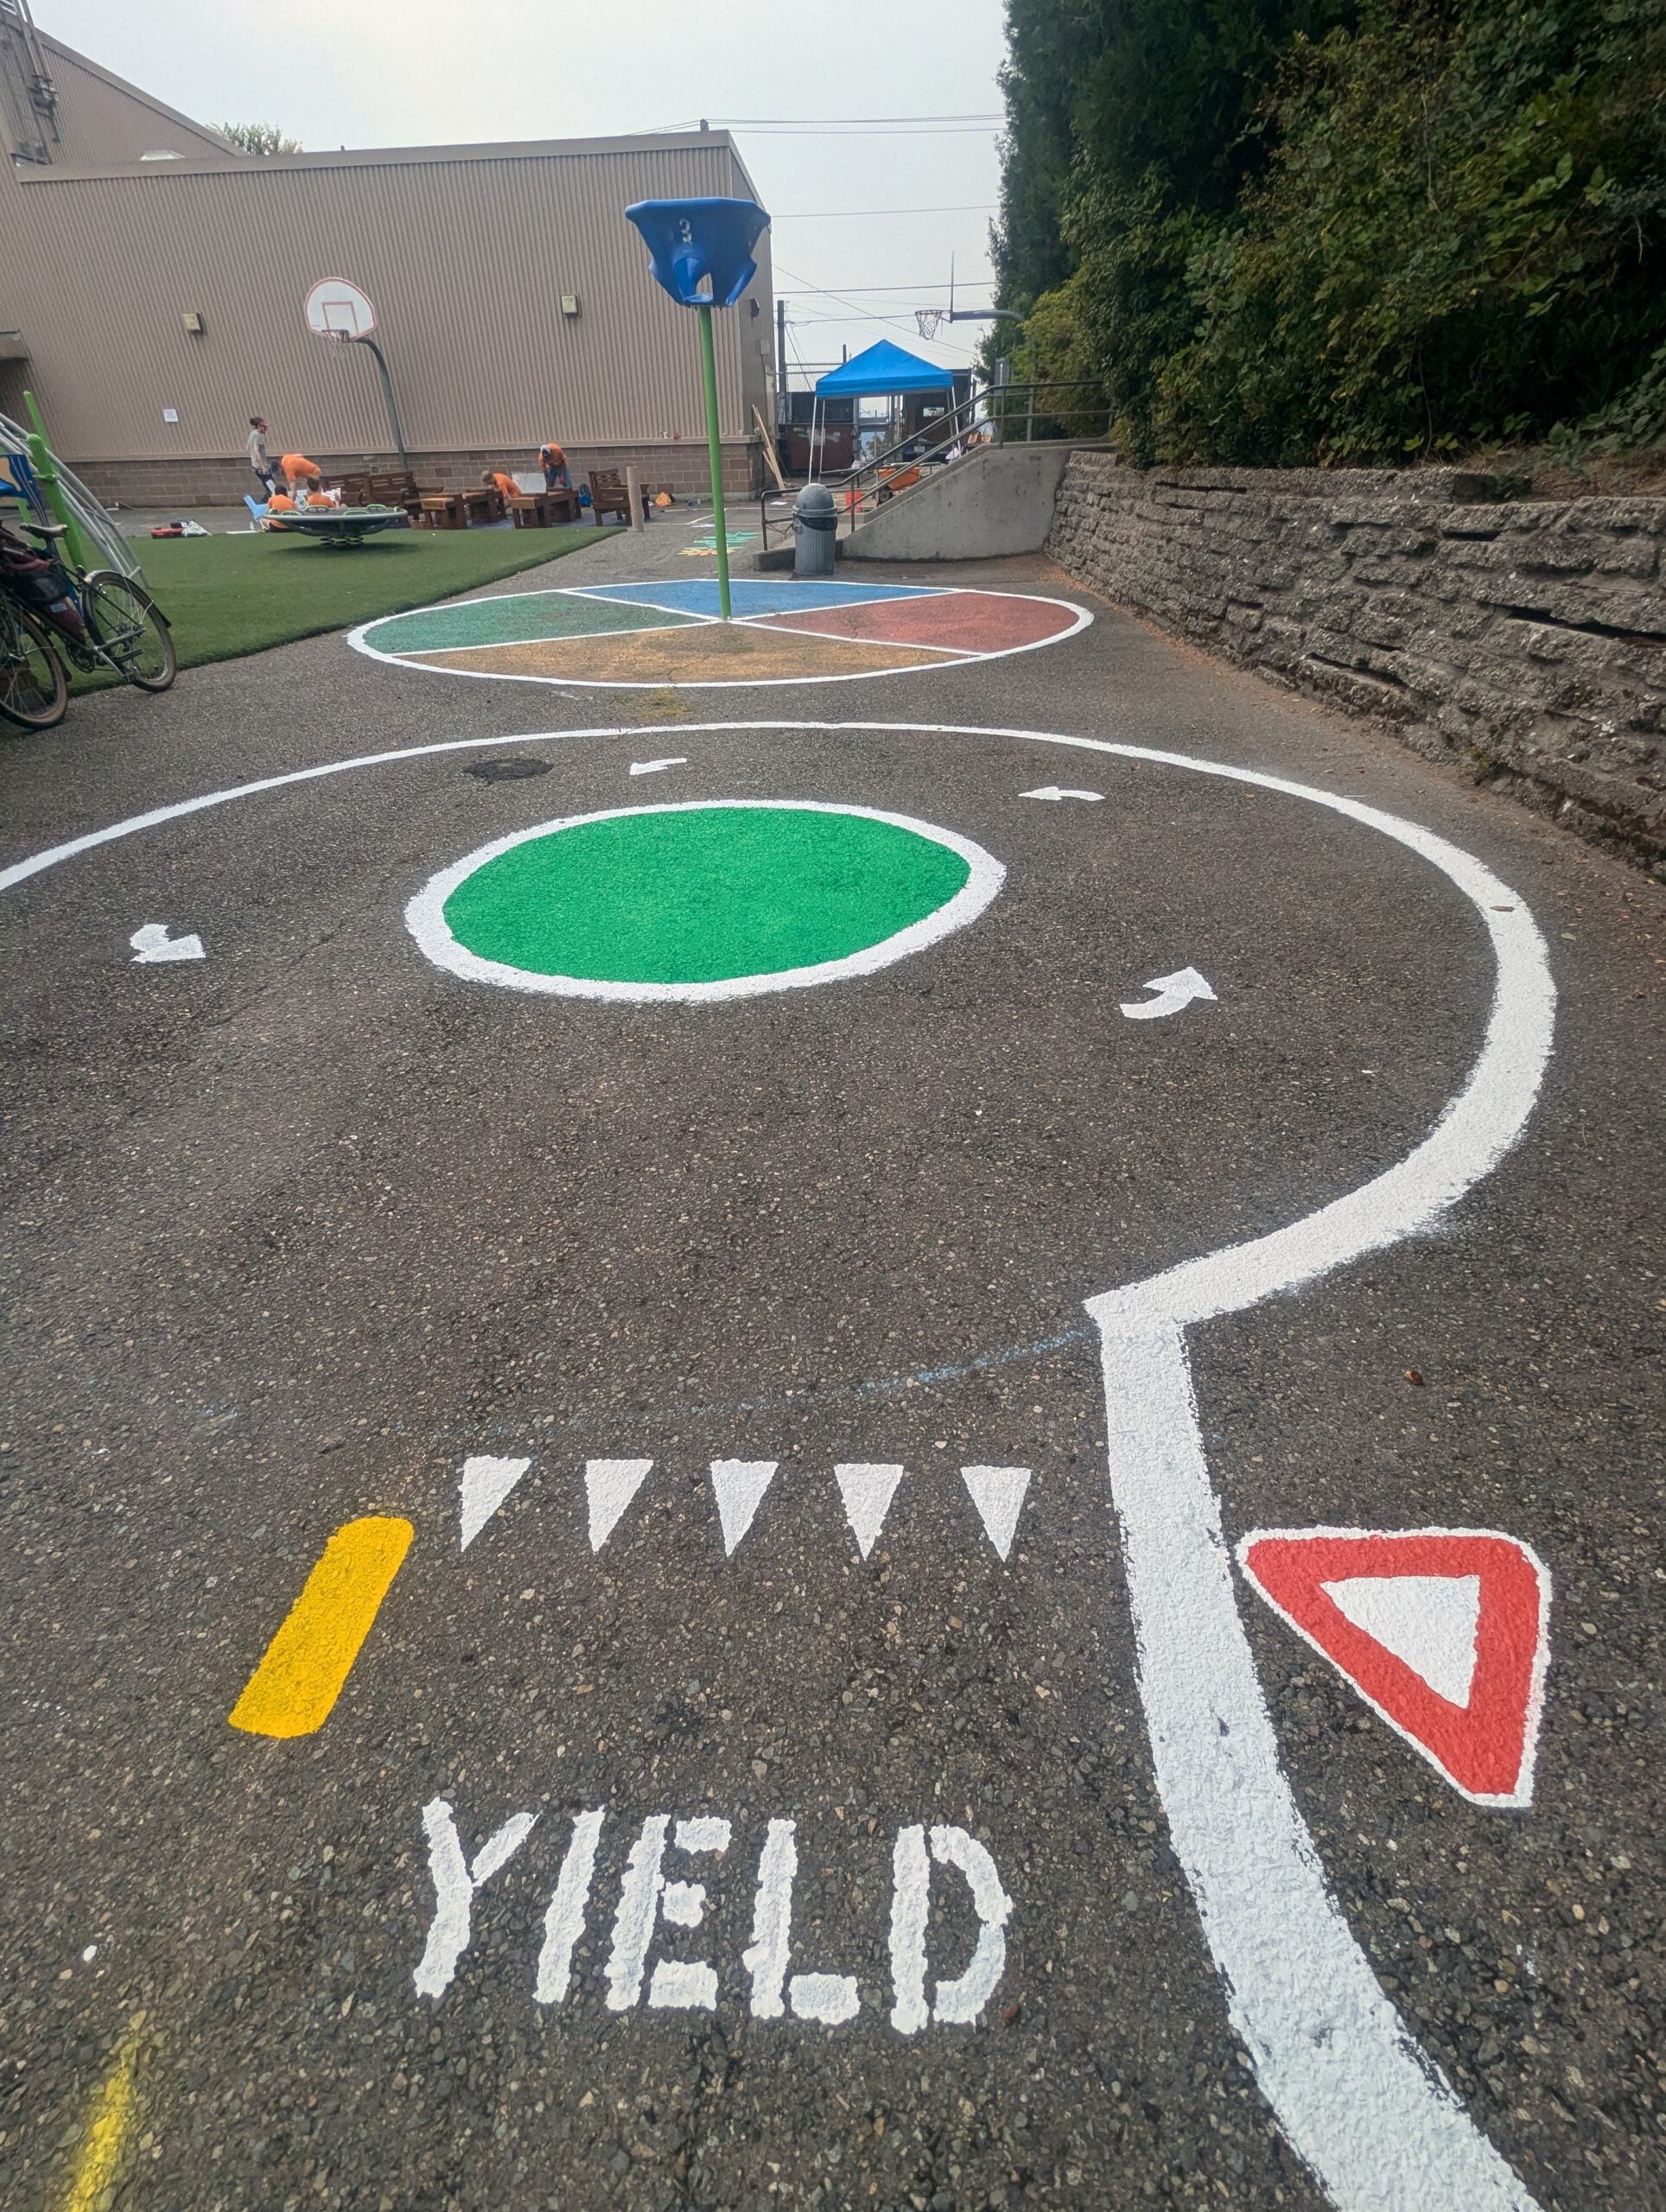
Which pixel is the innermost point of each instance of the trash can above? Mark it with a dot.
(815, 530)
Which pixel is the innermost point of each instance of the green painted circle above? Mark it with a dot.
(701, 895)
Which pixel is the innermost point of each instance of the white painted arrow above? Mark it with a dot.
(153, 942)
(1060, 790)
(653, 767)
(1174, 992)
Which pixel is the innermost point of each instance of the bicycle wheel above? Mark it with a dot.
(34, 692)
(126, 624)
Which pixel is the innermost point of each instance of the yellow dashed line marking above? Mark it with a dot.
(108, 2120)
(292, 1689)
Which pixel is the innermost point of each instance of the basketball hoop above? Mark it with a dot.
(338, 310)
(927, 321)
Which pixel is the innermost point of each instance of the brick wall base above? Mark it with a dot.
(679, 467)
(1524, 640)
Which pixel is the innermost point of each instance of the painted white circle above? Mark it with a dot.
(1367, 2113)
(425, 915)
(1081, 618)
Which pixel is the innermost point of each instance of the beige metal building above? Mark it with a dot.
(152, 283)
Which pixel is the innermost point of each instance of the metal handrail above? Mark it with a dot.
(847, 487)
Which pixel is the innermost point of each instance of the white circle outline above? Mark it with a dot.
(425, 915)
(1368, 2112)
(356, 639)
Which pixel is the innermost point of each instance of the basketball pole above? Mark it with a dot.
(709, 362)
(387, 394)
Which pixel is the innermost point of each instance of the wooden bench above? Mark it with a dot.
(608, 495)
(395, 488)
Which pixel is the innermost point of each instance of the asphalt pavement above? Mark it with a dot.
(573, 1559)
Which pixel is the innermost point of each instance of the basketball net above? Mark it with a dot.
(927, 321)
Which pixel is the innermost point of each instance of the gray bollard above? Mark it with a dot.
(815, 531)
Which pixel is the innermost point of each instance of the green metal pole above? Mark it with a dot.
(709, 360)
(45, 469)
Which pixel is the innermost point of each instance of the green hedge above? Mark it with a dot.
(1434, 228)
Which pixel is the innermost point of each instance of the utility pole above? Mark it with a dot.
(783, 412)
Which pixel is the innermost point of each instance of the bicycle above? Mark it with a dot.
(100, 620)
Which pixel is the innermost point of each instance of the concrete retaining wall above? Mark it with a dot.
(997, 499)
(1526, 640)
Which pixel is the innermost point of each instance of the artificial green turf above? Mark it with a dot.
(701, 894)
(227, 596)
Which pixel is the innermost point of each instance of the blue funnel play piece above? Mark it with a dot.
(701, 250)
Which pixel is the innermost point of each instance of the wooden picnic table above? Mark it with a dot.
(541, 510)
(439, 510)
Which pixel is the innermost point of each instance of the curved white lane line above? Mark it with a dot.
(1373, 2119)
(1370, 2114)
(357, 639)
(425, 915)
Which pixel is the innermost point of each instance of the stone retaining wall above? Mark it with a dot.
(1524, 640)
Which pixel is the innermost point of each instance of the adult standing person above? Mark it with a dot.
(553, 461)
(260, 460)
(300, 473)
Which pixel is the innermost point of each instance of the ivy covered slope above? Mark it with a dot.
(1357, 230)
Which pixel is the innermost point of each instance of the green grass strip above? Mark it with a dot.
(227, 595)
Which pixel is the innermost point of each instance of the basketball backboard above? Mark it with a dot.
(336, 308)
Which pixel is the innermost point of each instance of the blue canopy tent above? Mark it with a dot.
(880, 371)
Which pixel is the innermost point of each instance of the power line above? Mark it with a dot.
(817, 122)
(858, 314)
(872, 131)
(876, 291)
(848, 126)
(852, 214)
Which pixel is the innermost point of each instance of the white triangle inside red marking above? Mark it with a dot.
(1428, 1620)
(1443, 1632)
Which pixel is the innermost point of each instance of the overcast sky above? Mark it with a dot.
(403, 73)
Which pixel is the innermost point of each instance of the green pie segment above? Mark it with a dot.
(515, 618)
(704, 894)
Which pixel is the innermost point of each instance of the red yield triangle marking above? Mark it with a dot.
(1443, 1632)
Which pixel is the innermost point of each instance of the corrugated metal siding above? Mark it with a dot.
(102, 122)
(465, 255)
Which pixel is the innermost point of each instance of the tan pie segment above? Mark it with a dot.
(705, 653)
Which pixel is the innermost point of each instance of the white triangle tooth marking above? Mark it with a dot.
(738, 1486)
(1426, 1620)
(482, 1488)
(610, 1485)
(867, 1489)
(998, 1494)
